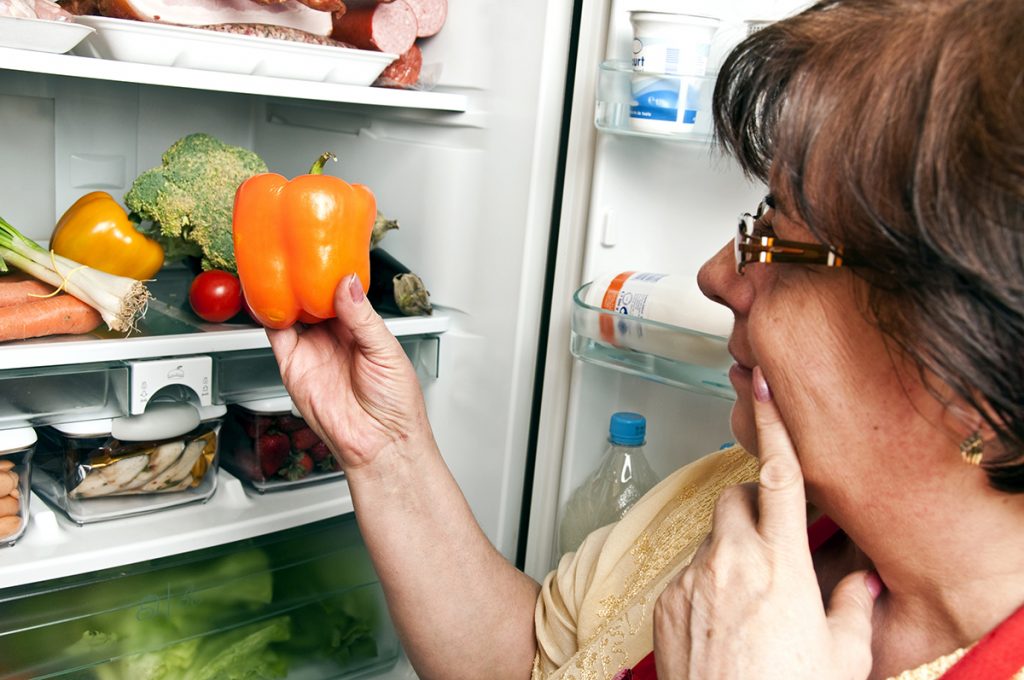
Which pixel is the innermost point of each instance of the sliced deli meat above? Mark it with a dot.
(275, 32)
(404, 71)
(430, 16)
(325, 5)
(387, 27)
(291, 13)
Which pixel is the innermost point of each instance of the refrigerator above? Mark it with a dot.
(516, 179)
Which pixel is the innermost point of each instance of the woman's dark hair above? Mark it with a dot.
(896, 128)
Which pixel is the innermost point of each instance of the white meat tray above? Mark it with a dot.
(42, 35)
(166, 45)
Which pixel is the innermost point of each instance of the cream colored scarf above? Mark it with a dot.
(594, 612)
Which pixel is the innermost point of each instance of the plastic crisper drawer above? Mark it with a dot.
(301, 603)
(63, 393)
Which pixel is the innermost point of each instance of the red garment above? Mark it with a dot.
(997, 656)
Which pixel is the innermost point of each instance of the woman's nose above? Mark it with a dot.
(719, 282)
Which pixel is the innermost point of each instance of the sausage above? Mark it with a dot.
(387, 27)
(404, 71)
(6, 464)
(430, 16)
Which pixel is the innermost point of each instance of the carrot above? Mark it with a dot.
(58, 315)
(17, 290)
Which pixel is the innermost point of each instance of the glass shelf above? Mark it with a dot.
(661, 352)
(614, 99)
(69, 378)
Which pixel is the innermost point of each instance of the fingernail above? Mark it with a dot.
(874, 583)
(355, 289)
(761, 390)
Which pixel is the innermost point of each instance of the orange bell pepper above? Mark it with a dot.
(96, 231)
(296, 240)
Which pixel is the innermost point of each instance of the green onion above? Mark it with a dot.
(120, 300)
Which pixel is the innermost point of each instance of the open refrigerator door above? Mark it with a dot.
(647, 199)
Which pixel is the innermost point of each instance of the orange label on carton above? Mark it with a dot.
(611, 297)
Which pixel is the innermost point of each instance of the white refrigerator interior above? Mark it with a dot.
(491, 219)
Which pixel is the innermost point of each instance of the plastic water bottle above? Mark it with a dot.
(621, 478)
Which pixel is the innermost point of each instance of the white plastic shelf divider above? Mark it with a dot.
(54, 547)
(196, 79)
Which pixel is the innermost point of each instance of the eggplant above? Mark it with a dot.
(394, 289)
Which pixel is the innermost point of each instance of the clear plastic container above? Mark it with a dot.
(303, 603)
(16, 448)
(106, 469)
(270, 447)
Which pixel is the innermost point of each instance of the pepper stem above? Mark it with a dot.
(318, 166)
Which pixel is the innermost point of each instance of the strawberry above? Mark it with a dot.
(319, 451)
(301, 465)
(289, 423)
(272, 448)
(303, 439)
(253, 425)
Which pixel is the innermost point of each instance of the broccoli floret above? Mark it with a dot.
(190, 197)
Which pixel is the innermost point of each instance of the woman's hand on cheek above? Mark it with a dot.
(749, 604)
(351, 380)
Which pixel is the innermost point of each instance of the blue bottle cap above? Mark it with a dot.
(627, 429)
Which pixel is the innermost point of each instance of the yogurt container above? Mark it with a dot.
(670, 60)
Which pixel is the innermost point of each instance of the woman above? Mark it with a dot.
(879, 306)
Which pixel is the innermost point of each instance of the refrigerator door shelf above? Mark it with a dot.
(304, 602)
(661, 352)
(54, 546)
(617, 86)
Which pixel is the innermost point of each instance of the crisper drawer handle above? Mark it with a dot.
(146, 378)
(162, 420)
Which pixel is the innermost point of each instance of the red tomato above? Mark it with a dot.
(215, 295)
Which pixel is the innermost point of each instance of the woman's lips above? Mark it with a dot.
(740, 370)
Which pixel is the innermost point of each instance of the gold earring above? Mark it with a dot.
(971, 449)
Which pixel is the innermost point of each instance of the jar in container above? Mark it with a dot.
(269, 446)
(16, 449)
(117, 467)
(686, 326)
(670, 60)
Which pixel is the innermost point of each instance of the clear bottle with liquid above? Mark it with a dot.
(621, 478)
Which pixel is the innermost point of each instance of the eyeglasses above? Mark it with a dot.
(755, 243)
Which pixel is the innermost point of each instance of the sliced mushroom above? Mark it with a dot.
(161, 458)
(110, 478)
(181, 468)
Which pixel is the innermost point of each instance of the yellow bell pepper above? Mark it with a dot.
(96, 231)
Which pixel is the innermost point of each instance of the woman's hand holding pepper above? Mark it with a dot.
(351, 380)
(749, 604)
